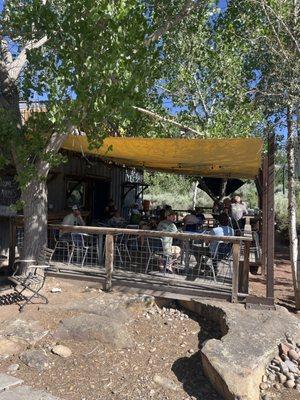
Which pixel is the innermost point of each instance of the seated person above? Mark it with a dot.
(116, 220)
(168, 225)
(222, 230)
(226, 207)
(162, 215)
(135, 216)
(191, 222)
(109, 209)
(200, 215)
(74, 218)
(216, 207)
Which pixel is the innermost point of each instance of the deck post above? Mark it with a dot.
(236, 247)
(270, 216)
(264, 216)
(244, 270)
(109, 261)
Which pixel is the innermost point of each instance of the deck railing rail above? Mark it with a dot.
(216, 266)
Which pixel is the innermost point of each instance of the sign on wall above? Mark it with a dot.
(9, 195)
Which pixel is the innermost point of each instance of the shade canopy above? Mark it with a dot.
(223, 158)
(216, 185)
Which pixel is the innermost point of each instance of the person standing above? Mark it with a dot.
(168, 225)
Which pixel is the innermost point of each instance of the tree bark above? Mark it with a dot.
(223, 189)
(292, 205)
(195, 194)
(35, 199)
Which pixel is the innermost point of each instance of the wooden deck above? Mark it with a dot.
(156, 283)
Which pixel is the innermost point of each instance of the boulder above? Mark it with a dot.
(10, 347)
(107, 330)
(28, 331)
(236, 363)
(35, 359)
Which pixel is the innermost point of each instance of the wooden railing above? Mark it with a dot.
(240, 270)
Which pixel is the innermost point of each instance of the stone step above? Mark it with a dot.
(26, 393)
(7, 381)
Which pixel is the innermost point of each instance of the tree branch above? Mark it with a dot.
(188, 7)
(284, 25)
(17, 65)
(168, 120)
(205, 109)
(6, 54)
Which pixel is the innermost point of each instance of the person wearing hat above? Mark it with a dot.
(74, 218)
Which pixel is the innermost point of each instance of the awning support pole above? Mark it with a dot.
(270, 216)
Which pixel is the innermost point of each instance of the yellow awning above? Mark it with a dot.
(236, 158)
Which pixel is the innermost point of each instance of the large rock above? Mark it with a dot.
(35, 359)
(119, 308)
(26, 393)
(10, 347)
(107, 330)
(29, 331)
(113, 309)
(236, 363)
(7, 381)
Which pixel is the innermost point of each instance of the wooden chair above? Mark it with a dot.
(33, 279)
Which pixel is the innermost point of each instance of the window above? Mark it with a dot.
(75, 193)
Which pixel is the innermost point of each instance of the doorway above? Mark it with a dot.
(100, 198)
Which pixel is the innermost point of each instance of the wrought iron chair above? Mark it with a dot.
(33, 277)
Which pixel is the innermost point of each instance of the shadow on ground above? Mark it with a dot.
(189, 371)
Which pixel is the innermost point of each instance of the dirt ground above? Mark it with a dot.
(161, 362)
(283, 282)
(164, 351)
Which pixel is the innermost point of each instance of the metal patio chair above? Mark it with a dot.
(123, 245)
(62, 245)
(81, 244)
(156, 252)
(33, 278)
(209, 263)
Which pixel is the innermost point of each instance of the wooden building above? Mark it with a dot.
(86, 181)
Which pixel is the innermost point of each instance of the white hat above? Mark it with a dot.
(75, 207)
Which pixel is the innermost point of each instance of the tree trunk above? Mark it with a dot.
(34, 196)
(195, 195)
(292, 205)
(223, 189)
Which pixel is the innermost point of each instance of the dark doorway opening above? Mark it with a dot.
(100, 198)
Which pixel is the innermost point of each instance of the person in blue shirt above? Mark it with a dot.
(222, 230)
